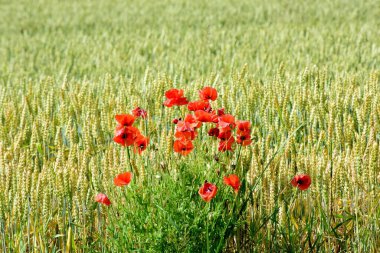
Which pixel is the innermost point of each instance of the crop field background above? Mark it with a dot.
(304, 73)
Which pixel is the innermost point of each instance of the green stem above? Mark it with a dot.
(129, 160)
(238, 157)
(207, 223)
(289, 215)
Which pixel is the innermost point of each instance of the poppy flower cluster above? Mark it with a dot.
(208, 190)
(186, 130)
(127, 135)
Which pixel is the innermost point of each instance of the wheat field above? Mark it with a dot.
(304, 73)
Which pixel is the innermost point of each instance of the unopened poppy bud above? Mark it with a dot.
(175, 121)
(216, 158)
(233, 166)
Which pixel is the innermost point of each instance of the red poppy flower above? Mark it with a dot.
(301, 181)
(206, 116)
(123, 179)
(183, 146)
(202, 105)
(224, 130)
(103, 199)
(186, 135)
(226, 145)
(208, 191)
(225, 134)
(244, 139)
(175, 97)
(233, 181)
(243, 126)
(194, 123)
(125, 119)
(213, 132)
(208, 93)
(185, 131)
(174, 93)
(140, 144)
(226, 120)
(125, 136)
(138, 112)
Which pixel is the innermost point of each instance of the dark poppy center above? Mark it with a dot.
(299, 181)
(124, 136)
(242, 138)
(208, 189)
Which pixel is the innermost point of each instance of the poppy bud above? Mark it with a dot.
(175, 121)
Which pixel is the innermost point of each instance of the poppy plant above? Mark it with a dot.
(208, 191)
(208, 93)
(102, 199)
(183, 146)
(123, 179)
(140, 144)
(138, 112)
(233, 181)
(125, 119)
(175, 97)
(302, 181)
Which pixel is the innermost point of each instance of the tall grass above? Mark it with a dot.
(305, 74)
